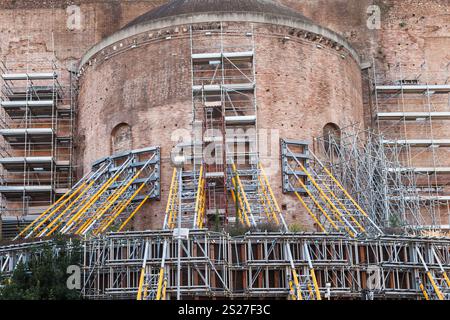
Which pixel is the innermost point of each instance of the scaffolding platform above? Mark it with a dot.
(31, 191)
(413, 88)
(16, 108)
(29, 76)
(240, 120)
(207, 57)
(34, 164)
(37, 135)
(226, 87)
(422, 143)
(423, 170)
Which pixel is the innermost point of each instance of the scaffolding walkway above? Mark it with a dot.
(191, 187)
(105, 199)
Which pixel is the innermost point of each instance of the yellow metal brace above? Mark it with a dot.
(170, 212)
(96, 216)
(133, 213)
(316, 285)
(335, 210)
(59, 219)
(244, 201)
(141, 284)
(242, 212)
(107, 222)
(235, 199)
(310, 212)
(435, 286)
(90, 201)
(199, 200)
(297, 285)
(424, 292)
(343, 207)
(159, 290)
(344, 191)
(267, 202)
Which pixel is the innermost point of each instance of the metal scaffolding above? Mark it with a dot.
(410, 109)
(264, 265)
(325, 199)
(373, 174)
(105, 199)
(37, 117)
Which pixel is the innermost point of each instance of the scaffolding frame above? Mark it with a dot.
(409, 107)
(259, 265)
(106, 198)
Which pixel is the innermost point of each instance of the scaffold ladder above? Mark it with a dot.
(302, 286)
(152, 285)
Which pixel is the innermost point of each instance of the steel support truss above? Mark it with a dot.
(105, 199)
(266, 265)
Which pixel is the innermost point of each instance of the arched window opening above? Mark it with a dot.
(121, 138)
(332, 138)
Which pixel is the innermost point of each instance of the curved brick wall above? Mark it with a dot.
(300, 88)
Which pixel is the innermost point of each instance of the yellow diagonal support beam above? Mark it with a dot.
(242, 211)
(53, 212)
(316, 285)
(435, 286)
(73, 221)
(112, 201)
(114, 216)
(141, 284)
(343, 207)
(63, 213)
(159, 289)
(310, 212)
(316, 203)
(344, 191)
(327, 200)
(244, 200)
(134, 213)
(199, 198)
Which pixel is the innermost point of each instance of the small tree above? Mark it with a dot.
(45, 277)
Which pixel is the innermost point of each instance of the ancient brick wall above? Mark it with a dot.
(300, 88)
